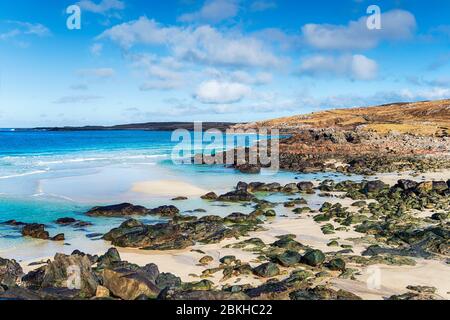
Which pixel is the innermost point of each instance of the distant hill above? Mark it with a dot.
(149, 126)
(425, 118)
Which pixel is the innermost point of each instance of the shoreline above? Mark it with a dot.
(184, 263)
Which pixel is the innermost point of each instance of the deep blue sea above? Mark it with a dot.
(48, 175)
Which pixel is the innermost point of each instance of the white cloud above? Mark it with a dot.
(262, 5)
(213, 11)
(396, 25)
(97, 73)
(76, 99)
(358, 67)
(203, 44)
(102, 7)
(241, 76)
(216, 92)
(24, 28)
(96, 49)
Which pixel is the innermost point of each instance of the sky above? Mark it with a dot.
(215, 60)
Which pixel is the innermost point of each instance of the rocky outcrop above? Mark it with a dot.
(35, 230)
(118, 210)
(72, 272)
(128, 284)
(178, 234)
(10, 272)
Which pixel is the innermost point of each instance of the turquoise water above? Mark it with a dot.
(48, 175)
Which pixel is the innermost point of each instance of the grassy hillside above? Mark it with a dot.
(424, 118)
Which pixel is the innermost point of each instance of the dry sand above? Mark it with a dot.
(169, 188)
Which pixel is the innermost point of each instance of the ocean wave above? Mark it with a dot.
(24, 174)
(114, 157)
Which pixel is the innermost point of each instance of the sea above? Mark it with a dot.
(46, 175)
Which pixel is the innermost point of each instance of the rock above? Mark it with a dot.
(237, 196)
(287, 242)
(228, 260)
(305, 187)
(440, 186)
(165, 211)
(35, 230)
(129, 285)
(20, 294)
(33, 279)
(374, 186)
(58, 237)
(109, 258)
(424, 187)
(10, 272)
(13, 223)
(290, 188)
(359, 204)
(65, 221)
(206, 260)
(151, 271)
(236, 217)
(209, 196)
(289, 258)
(167, 280)
(270, 213)
(118, 210)
(72, 272)
(203, 285)
(336, 264)
(267, 270)
(313, 258)
(242, 186)
(179, 199)
(102, 292)
(405, 184)
(202, 295)
(249, 168)
(322, 293)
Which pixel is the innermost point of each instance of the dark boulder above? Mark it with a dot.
(118, 210)
(129, 284)
(305, 187)
(35, 230)
(249, 168)
(10, 272)
(209, 196)
(165, 211)
(73, 272)
(289, 258)
(267, 270)
(167, 280)
(313, 258)
(237, 196)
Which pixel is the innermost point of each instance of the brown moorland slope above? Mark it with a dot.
(431, 118)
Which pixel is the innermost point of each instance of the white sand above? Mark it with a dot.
(169, 188)
(392, 178)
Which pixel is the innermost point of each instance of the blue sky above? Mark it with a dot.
(215, 60)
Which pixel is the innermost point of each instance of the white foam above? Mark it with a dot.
(24, 174)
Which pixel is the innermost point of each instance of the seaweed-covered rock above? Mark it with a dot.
(118, 210)
(289, 258)
(322, 293)
(313, 258)
(237, 196)
(267, 270)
